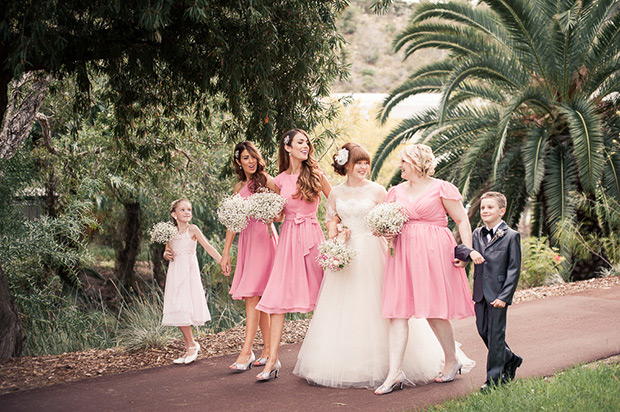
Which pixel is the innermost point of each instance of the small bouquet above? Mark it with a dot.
(387, 218)
(335, 255)
(265, 206)
(163, 232)
(232, 213)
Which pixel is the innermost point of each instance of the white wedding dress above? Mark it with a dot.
(347, 342)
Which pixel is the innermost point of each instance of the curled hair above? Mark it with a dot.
(258, 179)
(421, 157)
(174, 205)
(309, 181)
(357, 153)
(497, 196)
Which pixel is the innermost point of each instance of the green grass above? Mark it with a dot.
(582, 388)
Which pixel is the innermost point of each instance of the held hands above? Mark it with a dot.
(459, 263)
(476, 257)
(225, 264)
(497, 303)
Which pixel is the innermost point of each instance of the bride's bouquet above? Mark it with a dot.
(387, 219)
(163, 232)
(335, 255)
(265, 206)
(232, 213)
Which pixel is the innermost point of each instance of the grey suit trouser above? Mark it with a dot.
(491, 323)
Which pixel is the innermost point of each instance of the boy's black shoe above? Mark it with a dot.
(510, 368)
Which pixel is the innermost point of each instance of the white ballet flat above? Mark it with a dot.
(265, 376)
(191, 358)
(242, 367)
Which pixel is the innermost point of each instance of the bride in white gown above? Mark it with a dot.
(347, 342)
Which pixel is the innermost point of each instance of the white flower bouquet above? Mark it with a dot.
(232, 213)
(335, 255)
(163, 232)
(265, 205)
(387, 219)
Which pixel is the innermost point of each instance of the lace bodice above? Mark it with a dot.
(352, 204)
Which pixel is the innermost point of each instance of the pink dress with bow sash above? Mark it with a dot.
(420, 280)
(296, 275)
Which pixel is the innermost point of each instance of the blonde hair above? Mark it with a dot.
(497, 196)
(421, 157)
(175, 204)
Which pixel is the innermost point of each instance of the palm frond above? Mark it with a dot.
(605, 44)
(534, 159)
(560, 181)
(585, 129)
(404, 131)
(611, 173)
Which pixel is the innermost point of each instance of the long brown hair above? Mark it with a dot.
(309, 181)
(258, 179)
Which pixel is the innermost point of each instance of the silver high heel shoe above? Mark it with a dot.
(384, 389)
(441, 378)
(260, 362)
(265, 376)
(242, 367)
(191, 358)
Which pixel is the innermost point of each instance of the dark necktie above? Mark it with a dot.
(486, 232)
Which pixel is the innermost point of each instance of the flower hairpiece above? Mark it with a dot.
(287, 140)
(236, 154)
(342, 157)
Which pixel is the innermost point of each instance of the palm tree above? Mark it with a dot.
(529, 100)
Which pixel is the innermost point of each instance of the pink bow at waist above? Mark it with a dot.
(301, 218)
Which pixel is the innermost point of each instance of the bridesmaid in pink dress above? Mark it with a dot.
(255, 252)
(421, 280)
(296, 276)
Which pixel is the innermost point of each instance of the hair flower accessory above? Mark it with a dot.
(342, 157)
(287, 140)
(236, 154)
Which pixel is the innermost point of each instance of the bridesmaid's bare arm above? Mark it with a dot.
(457, 212)
(325, 186)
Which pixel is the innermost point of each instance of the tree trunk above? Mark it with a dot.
(21, 111)
(157, 250)
(126, 256)
(11, 337)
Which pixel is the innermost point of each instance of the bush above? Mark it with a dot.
(540, 263)
(141, 326)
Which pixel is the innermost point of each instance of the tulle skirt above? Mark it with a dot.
(347, 342)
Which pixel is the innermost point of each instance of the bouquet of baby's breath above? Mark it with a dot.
(265, 206)
(387, 219)
(232, 213)
(335, 255)
(163, 232)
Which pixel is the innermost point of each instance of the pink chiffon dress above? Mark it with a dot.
(256, 250)
(420, 280)
(296, 275)
(185, 303)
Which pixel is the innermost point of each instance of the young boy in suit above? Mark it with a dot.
(497, 257)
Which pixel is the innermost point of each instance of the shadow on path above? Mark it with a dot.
(551, 334)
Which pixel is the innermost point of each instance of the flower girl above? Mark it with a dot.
(185, 303)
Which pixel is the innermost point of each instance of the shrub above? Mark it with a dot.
(540, 263)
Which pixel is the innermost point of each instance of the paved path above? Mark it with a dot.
(551, 334)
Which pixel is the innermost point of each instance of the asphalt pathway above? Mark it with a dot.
(551, 334)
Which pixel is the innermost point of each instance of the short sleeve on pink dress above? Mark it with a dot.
(278, 180)
(448, 191)
(391, 195)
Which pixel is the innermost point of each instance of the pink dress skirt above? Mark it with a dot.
(420, 280)
(296, 275)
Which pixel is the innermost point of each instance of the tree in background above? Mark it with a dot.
(171, 69)
(529, 101)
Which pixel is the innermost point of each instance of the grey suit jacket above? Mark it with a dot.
(498, 276)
